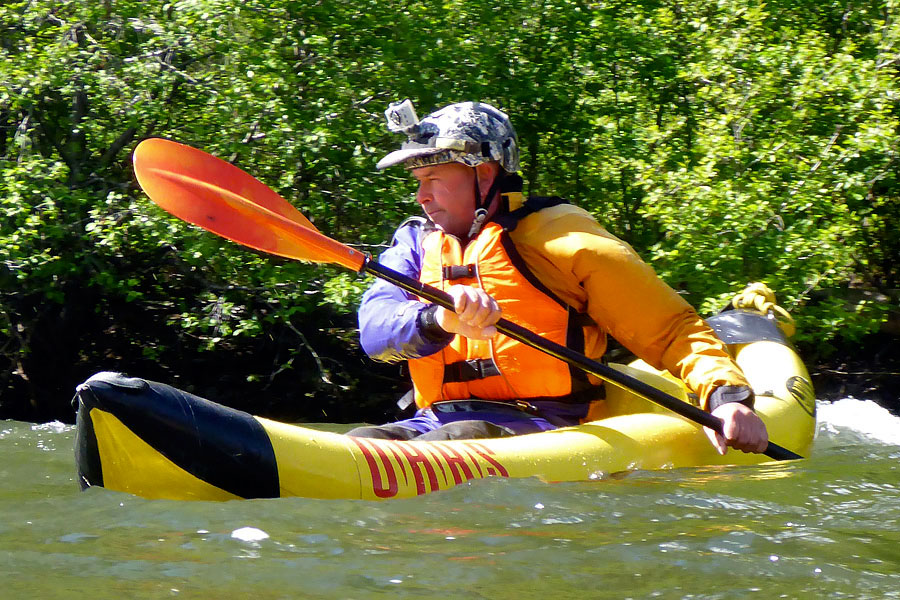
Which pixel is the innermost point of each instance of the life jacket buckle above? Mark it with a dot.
(526, 407)
(453, 272)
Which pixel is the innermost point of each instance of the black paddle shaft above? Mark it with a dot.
(567, 355)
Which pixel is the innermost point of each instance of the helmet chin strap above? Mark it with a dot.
(482, 203)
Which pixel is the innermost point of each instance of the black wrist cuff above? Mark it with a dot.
(730, 393)
(429, 328)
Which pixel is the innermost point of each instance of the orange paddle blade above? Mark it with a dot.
(219, 197)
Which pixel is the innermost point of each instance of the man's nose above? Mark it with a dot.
(422, 196)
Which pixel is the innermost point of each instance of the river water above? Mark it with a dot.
(825, 527)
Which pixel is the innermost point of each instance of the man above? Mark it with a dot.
(541, 263)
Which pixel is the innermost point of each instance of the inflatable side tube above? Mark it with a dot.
(745, 327)
(125, 423)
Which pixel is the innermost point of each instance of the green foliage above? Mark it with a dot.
(727, 140)
(849, 321)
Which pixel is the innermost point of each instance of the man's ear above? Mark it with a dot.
(487, 171)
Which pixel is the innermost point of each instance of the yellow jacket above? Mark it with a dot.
(595, 272)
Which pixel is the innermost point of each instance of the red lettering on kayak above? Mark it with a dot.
(380, 490)
(423, 461)
(474, 460)
(416, 461)
(431, 451)
(456, 462)
(486, 453)
(393, 448)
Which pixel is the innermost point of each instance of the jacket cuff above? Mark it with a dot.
(429, 328)
(730, 393)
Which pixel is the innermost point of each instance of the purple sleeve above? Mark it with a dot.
(388, 328)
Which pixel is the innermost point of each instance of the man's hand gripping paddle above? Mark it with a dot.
(223, 199)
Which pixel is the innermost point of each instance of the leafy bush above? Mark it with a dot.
(728, 141)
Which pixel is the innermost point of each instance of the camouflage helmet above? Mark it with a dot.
(470, 133)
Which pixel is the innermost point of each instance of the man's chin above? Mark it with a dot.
(438, 221)
(443, 226)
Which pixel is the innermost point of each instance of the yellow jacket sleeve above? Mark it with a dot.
(597, 273)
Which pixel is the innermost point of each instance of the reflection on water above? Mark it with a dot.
(825, 526)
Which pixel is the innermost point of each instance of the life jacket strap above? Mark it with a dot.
(470, 370)
(510, 220)
(481, 368)
(584, 396)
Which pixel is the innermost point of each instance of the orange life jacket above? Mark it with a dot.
(501, 368)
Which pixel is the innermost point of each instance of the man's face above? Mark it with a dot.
(447, 194)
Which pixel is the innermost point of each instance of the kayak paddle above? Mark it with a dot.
(219, 197)
(215, 195)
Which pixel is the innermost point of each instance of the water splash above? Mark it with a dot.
(861, 417)
(53, 427)
(249, 534)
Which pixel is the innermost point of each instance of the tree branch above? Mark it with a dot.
(114, 148)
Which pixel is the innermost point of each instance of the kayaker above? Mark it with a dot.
(542, 263)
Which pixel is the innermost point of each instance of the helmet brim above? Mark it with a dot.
(401, 156)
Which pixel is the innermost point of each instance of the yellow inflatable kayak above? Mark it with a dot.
(156, 441)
